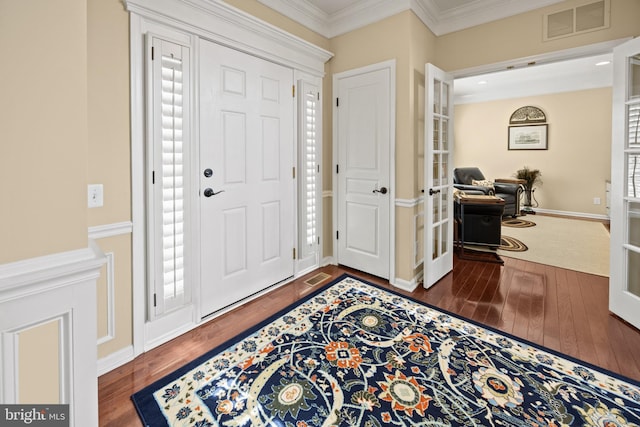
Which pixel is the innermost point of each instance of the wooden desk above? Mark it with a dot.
(479, 199)
(511, 181)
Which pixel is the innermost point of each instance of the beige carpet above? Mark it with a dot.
(567, 243)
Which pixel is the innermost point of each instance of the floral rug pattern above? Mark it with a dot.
(357, 355)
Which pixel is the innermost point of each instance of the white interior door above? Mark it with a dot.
(246, 175)
(363, 172)
(624, 283)
(438, 210)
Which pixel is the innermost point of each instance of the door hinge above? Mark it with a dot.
(155, 302)
(318, 96)
(293, 91)
(294, 172)
(337, 235)
(318, 238)
(153, 177)
(337, 168)
(152, 52)
(318, 167)
(294, 253)
(337, 102)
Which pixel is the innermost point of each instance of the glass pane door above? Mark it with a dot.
(624, 298)
(438, 259)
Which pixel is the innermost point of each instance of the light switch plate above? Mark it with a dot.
(95, 196)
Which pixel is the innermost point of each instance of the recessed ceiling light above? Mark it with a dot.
(482, 82)
(603, 63)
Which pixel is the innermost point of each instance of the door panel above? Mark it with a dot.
(624, 283)
(438, 228)
(246, 138)
(364, 141)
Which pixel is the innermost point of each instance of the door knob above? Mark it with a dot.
(382, 190)
(208, 192)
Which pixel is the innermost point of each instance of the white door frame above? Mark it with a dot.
(389, 65)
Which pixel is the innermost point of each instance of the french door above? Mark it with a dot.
(247, 210)
(624, 283)
(438, 209)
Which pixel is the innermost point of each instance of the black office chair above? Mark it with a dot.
(509, 192)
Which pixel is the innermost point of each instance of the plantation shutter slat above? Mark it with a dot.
(309, 184)
(170, 71)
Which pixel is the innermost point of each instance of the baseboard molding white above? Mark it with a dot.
(115, 360)
(407, 285)
(306, 270)
(572, 214)
(329, 260)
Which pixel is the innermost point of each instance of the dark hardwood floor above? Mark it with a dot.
(564, 310)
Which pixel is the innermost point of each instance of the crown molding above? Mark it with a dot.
(303, 13)
(365, 12)
(217, 21)
(480, 12)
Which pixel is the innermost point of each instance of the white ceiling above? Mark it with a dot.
(565, 76)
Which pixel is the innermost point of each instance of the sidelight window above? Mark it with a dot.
(309, 181)
(168, 155)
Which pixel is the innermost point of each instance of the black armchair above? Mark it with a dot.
(507, 189)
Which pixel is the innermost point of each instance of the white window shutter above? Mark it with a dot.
(309, 183)
(170, 88)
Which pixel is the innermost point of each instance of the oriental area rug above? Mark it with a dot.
(354, 354)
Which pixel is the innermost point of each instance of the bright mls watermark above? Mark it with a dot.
(34, 415)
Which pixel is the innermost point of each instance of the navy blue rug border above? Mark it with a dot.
(144, 397)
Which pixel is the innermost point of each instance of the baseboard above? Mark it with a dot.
(115, 360)
(327, 261)
(157, 341)
(573, 214)
(408, 285)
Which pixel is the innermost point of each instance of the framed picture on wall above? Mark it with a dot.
(532, 137)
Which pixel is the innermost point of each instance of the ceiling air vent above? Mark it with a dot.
(581, 19)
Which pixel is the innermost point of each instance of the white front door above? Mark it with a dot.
(247, 210)
(438, 209)
(624, 282)
(364, 131)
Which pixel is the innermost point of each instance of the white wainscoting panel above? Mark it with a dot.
(61, 288)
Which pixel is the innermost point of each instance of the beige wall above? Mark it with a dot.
(39, 365)
(43, 117)
(109, 160)
(109, 157)
(578, 159)
(43, 160)
(520, 36)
